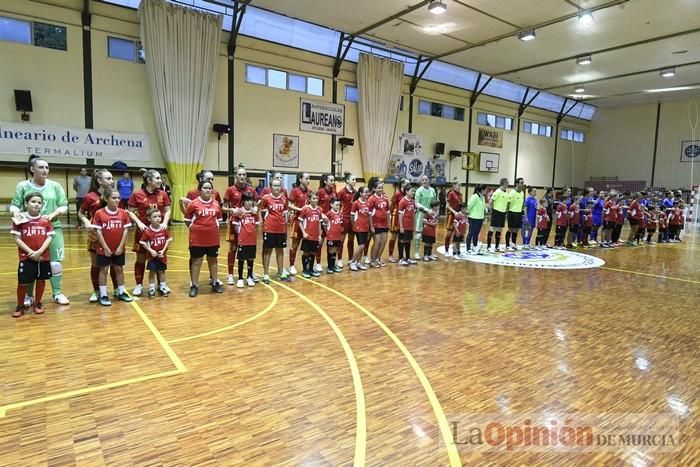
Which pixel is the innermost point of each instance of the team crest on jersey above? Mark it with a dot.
(542, 259)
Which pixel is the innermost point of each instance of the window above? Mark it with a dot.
(283, 80)
(573, 135)
(436, 109)
(125, 49)
(539, 129)
(50, 36)
(496, 121)
(15, 30)
(351, 94)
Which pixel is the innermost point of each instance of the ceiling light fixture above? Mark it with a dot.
(677, 88)
(579, 89)
(584, 60)
(668, 72)
(436, 7)
(527, 35)
(585, 18)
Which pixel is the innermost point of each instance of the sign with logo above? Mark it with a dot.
(23, 139)
(492, 137)
(414, 167)
(285, 151)
(410, 144)
(542, 259)
(322, 117)
(690, 151)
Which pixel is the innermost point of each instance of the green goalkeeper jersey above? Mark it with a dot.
(53, 193)
(424, 196)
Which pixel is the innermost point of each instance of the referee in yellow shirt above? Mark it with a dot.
(498, 207)
(516, 203)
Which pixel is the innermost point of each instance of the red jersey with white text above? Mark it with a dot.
(454, 199)
(361, 208)
(346, 196)
(430, 224)
(619, 216)
(652, 221)
(562, 215)
(325, 198)
(460, 223)
(33, 233)
(112, 224)
(635, 211)
(92, 203)
(156, 240)
(587, 217)
(542, 218)
(407, 207)
(335, 229)
(311, 218)
(609, 211)
(379, 210)
(143, 200)
(204, 218)
(662, 220)
(234, 195)
(247, 225)
(677, 217)
(574, 214)
(275, 209)
(194, 194)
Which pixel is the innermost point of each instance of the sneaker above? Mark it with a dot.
(448, 254)
(381, 263)
(361, 267)
(353, 267)
(240, 284)
(318, 267)
(306, 275)
(266, 279)
(194, 290)
(138, 290)
(61, 299)
(164, 291)
(339, 264)
(125, 297)
(501, 249)
(39, 309)
(217, 287)
(19, 311)
(284, 277)
(330, 271)
(251, 282)
(151, 292)
(575, 245)
(28, 300)
(491, 249)
(593, 242)
(510, 248)
(365, 260)
(526, 247)
(338, 270)
(377, 264)
(230, 279)
(426, 258)
(416, 256)
(105, 301)
(412, 261)
(255, 278)
(93, 298)
(293, 271)
(392, 259)
(403, 262)
(433, 258)
(316, 274)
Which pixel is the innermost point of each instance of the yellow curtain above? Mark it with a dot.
(181, 177)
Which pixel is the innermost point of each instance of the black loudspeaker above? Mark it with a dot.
(454, 154)
(346, 141)
(221, 128)
(23, 100)
(440, 148)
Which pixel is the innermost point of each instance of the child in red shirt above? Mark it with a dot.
(609, 219)
(111, 224)
(407, 215)
(460, 230)
(652, 223)
(430, 223)
(542, 225)
(381, 219)
(562, 222)
(203, 216)
(274, 208)
(309, 220)
(587, 222)
(33, 235)
(574, 221)
(246, 223)
(156, 240)
(361, 221)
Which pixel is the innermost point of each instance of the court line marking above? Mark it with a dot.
(650, 275)
(445, 431)
(273, 303)
(360, 411)
(159, 337)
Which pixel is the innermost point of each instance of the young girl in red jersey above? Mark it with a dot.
(562, 221)
(381, 219)
(233, 204)
(652, 224)
(399, 192)
(334, 225)
(32, 235)
(246, 223)
(459, 227)
(202, 175)
(635, 214)
(151, 196)
(407, 216)
(361, 222)
(298, 198)
(274, 209)
(587, 222)
(609, 218)
(326, 195)
(111, 224)
(203, 216)
(346, 195)
(675, 220)
(430, 223)
(454, 205)
(574, 221)
(156, 240)
(663, 225)
(542, 225)
(92, 202)
(310, 219)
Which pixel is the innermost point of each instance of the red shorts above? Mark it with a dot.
(450, 221)
(296, 231)
(395, 222)
(232, 234)
(347, 225)
(138, 248)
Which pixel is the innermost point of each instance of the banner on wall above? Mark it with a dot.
(491, 137)
(413, 167)
(322, 117)
(24, 139)
(410, 144)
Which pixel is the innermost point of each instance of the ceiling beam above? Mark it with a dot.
(624, 75)
(382, 22)
(485, 13)
(600, 51)
(639, 93)
(536, 26)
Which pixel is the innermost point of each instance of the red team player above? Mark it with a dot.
(454, 205)
(609, 219)
(334, 226)
(111, 224)
(152, 196)
(407, 217)
(32, 235)
(542, 225)
(298, 198)
(309, 220)
(326, 195)
(156, 239)
(459, 226)
(346, 195)
(274, 208)
(268, 189)
(246, 223)
(432, 217)
(379, 212)
(233, 202)
(574, 221)
(562, 222)
(359, 213)
(399, 192)
(203, 216)
(203, 175)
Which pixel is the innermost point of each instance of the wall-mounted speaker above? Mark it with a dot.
(221, 128)
(23, 100)
(440, 148)
(346, 141)
(454, 154)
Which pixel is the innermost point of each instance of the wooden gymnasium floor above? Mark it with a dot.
(353, 368)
